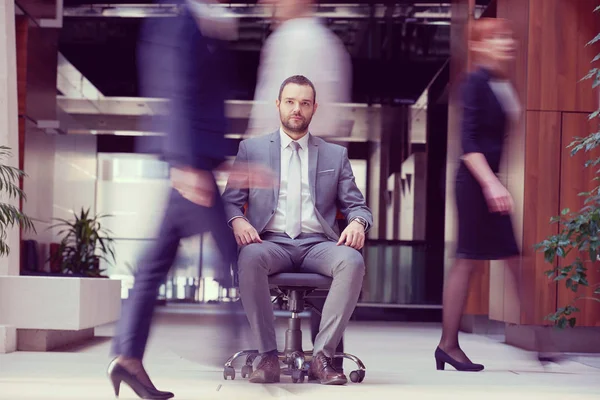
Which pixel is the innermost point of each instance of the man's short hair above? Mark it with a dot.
(298, 80)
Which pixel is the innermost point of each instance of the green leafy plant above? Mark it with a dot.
(9, 214)
(578, 231)
(129, 269)
(84, 244)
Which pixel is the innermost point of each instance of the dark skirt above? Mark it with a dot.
(482, 235)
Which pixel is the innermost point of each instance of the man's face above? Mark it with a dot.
(296, 107)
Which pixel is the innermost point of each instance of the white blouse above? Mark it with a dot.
(508, 98)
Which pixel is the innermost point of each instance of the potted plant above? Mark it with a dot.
(579, 231)
(84, 244)
(9, 214)
(83, 304)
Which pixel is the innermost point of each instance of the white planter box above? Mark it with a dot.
(57, 303)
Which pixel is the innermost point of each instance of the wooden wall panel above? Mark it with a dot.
(478, 301)
(574, 179)
(551, 60)
(22, 30)
(39, 8)
(42, 68)
(588, 26)
(558, 59)
(37, 66)
(21, 36)
(542, 188)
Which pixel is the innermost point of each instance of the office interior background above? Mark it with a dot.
(81, 124)
(398, 55)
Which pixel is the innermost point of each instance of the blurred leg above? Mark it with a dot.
(455, 297)
(134, 326)
(133, 329)
(514, 282)
(514, 289)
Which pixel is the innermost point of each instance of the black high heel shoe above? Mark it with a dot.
(442, 358)
(118, 374)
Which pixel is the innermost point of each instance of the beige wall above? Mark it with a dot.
(9, 131)
(9, 134)
(61, 179)
(75, 166)
(39, 182)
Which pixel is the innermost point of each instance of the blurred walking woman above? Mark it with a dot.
(485, 231)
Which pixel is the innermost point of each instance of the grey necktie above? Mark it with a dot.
(293, 217)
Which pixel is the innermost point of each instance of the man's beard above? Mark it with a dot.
(299, 126)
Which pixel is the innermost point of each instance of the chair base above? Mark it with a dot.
(296, 360)
(296, 363)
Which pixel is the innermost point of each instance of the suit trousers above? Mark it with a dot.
(181, 219)
(315, 323)
(307, 253)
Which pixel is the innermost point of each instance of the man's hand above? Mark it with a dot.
(197, 186)
(244, 232)
(353, 236)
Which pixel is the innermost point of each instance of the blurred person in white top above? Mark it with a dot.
(301, 45)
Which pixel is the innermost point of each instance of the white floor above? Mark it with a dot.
(186, 352)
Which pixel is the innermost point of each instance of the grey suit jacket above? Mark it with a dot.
(331, 180)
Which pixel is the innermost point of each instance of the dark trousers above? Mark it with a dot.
(181, 219)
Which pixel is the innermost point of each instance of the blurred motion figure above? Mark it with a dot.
(301, 45)
(185, 60)
(485, 231)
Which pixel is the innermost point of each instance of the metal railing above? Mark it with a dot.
(418, 12)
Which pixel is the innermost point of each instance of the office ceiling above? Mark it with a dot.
(396, 47)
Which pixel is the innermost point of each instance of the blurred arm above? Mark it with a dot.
(237, 191)
(471, 131)
(175, 62)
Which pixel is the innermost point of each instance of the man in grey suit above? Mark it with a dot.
(294, 224)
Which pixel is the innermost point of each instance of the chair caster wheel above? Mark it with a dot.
(357, 376)
(229, 372)
(298, 376)
(247, 371)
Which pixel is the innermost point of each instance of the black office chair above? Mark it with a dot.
(294, 289)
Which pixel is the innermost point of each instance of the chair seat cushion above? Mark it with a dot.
(312, 280)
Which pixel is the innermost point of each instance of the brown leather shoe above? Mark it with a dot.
(268, 370)
(321, 369)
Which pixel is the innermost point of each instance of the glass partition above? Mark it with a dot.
(395, 273)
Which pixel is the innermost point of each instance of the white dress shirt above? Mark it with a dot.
(303, 46)
(310, 223)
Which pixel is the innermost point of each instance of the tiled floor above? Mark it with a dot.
(186, 352)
